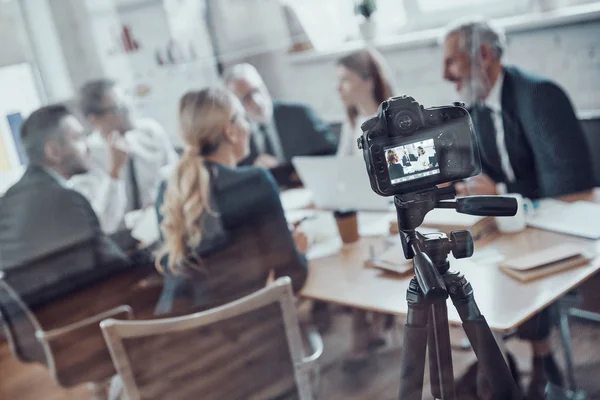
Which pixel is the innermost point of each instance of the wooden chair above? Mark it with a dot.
(74, 354)
(250, 348)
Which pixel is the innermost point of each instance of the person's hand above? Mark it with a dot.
(300, 239)
(119, 153)
(480, 185)
(266, 161)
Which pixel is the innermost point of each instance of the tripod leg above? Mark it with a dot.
(565, 337)
(440, 355)
(491, 360)
(412, 366)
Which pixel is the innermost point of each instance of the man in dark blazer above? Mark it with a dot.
(282, 129)
(529, 137)
(530, 143)
(50, 238)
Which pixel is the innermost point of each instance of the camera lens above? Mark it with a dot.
(404, 121)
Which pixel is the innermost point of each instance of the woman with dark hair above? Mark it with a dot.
(363, 83)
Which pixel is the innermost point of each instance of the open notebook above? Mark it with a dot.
(581, 218)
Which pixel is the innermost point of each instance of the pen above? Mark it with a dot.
(301, 220)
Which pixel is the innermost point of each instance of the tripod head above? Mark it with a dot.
(430, 252)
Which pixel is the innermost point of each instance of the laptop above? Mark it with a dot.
(339, 183)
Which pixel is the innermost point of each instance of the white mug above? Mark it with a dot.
(518, 222)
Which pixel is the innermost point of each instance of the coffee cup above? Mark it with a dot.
(347, 223)
(518, 222)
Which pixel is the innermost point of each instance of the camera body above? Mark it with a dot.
(408, 148)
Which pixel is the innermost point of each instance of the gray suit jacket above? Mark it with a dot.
(301, 132)
(50, 239)
(544, 140)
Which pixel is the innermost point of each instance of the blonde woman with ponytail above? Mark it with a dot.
(207, 197)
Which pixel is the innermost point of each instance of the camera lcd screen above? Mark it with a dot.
(411, 161)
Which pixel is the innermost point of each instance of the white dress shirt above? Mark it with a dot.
(150, 150)
(494, 102)
(348, 136)
(422, 162)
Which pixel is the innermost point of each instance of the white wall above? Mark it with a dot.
(88, 32)
(46, 49)
(13, 40)
(73, 23)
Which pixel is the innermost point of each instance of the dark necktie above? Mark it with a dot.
(268, 146)
(135, 190)
(486, 133)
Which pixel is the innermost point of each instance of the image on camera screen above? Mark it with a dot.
(411, 161)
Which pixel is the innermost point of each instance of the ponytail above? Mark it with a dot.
(203, 117)
(186, 199)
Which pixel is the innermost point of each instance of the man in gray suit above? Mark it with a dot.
(530, 143)
(282, 129)
(50, 238)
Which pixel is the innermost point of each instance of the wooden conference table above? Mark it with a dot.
(505, 302)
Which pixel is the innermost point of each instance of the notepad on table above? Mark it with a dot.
(295, 199)
(391, 260)
(581, 218)
(539, 264)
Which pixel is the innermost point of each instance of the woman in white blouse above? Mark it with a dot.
(423, 159)
(363, 83)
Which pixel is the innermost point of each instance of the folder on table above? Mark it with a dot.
(538, 264)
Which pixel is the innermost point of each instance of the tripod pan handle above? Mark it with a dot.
(498, 206)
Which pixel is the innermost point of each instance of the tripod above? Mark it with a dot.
(427, 318)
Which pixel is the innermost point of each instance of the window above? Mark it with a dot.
(328, 23)
(440, 5)
(436, 13)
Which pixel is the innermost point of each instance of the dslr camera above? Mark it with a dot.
(408, 148)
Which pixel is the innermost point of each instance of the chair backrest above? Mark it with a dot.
(74, 354)
(248, 349)
(591, 128)
(20, 326)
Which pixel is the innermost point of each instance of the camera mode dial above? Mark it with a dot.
(447, 138)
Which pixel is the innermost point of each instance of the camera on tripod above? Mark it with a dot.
(408, 151)
(408, 147)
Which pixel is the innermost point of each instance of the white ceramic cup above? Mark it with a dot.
(518, 222)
